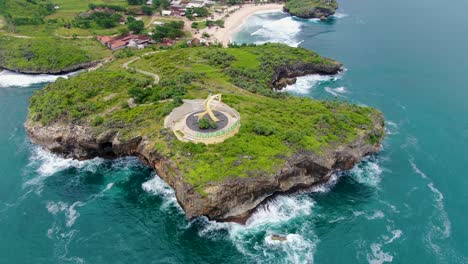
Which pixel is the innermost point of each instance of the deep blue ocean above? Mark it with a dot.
(408, 204)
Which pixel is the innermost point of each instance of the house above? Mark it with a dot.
(104, 39)
(166, 42)
(166, 12)
(178, 10)
(116, 43)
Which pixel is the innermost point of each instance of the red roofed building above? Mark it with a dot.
(115, 43)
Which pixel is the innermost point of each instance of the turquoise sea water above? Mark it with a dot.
(408, 204)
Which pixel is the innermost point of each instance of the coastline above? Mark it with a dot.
(236, 20)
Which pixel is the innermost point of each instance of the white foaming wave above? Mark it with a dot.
(391, 128)
(275, 215)
(377, 255)
(376, 215)
(284, 31)
(158, 186)
(281, 209)
(268, 11)
(367, 172)
(314, 20)
(8, 78)
(336, 91)
(441, 230)
(334, 16)
(326, 186)
(396, 234)
(47, 164)
(305, 83)
(339, 15)
(69, 210)
(293, 244)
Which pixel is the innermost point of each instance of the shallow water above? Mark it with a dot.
(405, 205)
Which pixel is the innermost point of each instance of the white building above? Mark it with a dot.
(166, 12)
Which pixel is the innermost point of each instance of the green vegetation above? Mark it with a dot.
(271, 130)
(206, 123)
(97, 20)
(51, 36)
(135, 25)
(26, 12)
(191, 13)
(171, 30)
(303, 8)
(47, 54)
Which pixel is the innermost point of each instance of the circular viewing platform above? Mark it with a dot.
(184, 122)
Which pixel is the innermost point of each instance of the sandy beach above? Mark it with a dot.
(235, 20)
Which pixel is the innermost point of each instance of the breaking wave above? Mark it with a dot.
(339, 91)
(339, 15)
(305, 84)
(159, 187)
(367, 172)
(46, 164)
(284, 215)
(284, 30)
(8, 78)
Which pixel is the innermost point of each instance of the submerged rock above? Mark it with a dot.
(277, 237)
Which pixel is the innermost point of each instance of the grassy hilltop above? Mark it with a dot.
(274, 125)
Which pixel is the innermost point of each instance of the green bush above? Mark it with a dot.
(264, 129)
(292, 136)
(206, 123)
(98, 120)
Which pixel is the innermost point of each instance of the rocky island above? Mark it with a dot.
(321, 9)
(285, 143)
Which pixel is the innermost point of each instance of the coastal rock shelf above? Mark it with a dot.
(284, 144)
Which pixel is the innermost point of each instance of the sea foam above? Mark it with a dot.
(8, 78)
(285, 30)
(304, 84)
(439, 223)
(46, 164)
(157, 186)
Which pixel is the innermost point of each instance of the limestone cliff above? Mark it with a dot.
(232, 200)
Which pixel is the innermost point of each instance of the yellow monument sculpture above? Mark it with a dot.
(208, 109)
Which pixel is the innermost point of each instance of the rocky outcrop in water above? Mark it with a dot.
(322, 9)
(287, 74)
(231, 200)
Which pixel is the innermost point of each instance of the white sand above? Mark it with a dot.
(235, 21)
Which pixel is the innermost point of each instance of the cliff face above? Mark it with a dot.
(71, 68)
(232, 200)
(287, 74)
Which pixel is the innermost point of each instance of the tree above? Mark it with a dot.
(170, 30)
(134, 2)
(124, 31)
(147, 10)
(136, 26)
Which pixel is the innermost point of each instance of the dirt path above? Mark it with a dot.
(154, 75)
